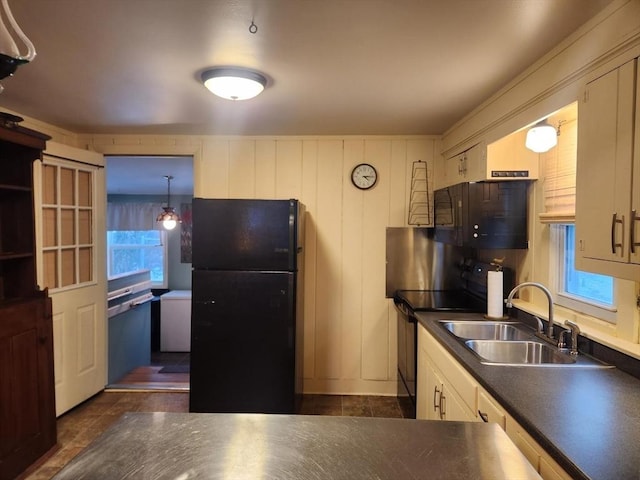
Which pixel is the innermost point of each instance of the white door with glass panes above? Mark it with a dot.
(70, 205)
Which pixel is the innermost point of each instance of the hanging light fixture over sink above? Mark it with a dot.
(168, 218)
(542, 137)
(234, 83)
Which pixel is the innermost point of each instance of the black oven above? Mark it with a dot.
(471, 298)
(407, 344)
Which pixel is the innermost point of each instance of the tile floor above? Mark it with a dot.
(78, 427)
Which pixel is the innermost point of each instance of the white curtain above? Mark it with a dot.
(133, 216)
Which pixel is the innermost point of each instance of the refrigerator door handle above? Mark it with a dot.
(204, 302)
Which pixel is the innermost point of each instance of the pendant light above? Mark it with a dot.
(10, 57)
(169, 218)
(234, 83)
(542, 137)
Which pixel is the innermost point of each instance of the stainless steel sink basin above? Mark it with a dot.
(518, 353)
(486, 330)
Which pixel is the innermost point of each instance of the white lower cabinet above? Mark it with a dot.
(547, 467)
(444, 403)
(442, 396)
(445, 391)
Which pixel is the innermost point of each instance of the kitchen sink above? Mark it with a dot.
(513, 344)
(518, 353)
(486, 330)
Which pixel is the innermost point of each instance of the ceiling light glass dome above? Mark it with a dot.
(234, 83)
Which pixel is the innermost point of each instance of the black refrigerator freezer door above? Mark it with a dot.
(243, 342)
(229, 234)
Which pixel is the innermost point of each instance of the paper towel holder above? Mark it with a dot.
(497, 263)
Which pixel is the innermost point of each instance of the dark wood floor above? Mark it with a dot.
(153, 376)
(150, 378)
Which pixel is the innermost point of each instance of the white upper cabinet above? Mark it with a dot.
(608, 175)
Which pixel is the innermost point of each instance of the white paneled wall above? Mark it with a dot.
(350, 327)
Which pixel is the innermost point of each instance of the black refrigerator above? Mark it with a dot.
(246, 312)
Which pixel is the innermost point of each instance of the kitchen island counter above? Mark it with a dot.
(587, 419)
(234, 446)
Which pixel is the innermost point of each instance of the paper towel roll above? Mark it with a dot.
(494, 295)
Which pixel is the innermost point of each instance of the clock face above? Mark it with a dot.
(364, 176)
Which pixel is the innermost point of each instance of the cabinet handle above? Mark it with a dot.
(462, 166)
(483, 416)
(632, 236)
(443, 405)
(615, 220)
(435, 393)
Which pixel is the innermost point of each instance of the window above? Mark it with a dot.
(130, 251)
(68, 212)
(585, 292)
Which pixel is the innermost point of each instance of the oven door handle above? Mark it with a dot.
(405, 312)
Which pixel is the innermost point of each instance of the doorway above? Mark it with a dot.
(138, 190)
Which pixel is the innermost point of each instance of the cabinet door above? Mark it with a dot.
(489, 411)
(453, 407)
(428, 384)
(537, 456)
(27, 416)
(455, 169)
(469, 166)
(634, 227)
(441, 402)
(603, 182)
(433, 388)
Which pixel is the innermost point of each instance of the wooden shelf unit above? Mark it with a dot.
(27, 395)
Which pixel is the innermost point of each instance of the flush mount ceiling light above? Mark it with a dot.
(234, 83)
(169, 218)
(542, 137)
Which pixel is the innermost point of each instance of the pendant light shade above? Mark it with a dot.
(234, 83)
(542, 137)
(168, 218)
(11, 35)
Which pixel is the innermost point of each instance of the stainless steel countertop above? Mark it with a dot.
(256, 446)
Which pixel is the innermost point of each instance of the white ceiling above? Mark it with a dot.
(334, 66)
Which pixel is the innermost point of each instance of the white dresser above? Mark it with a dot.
(175, 321)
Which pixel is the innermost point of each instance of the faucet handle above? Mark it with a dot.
(540, 325)
(575, 331)
(572, 326)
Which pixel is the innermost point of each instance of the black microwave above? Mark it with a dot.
(482, 215)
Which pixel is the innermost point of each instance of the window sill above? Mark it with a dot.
(590, 327)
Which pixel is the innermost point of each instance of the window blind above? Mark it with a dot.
(559, 176)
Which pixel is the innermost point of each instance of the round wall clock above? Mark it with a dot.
(364, 176)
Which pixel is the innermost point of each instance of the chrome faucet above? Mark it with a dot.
(546, 291)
